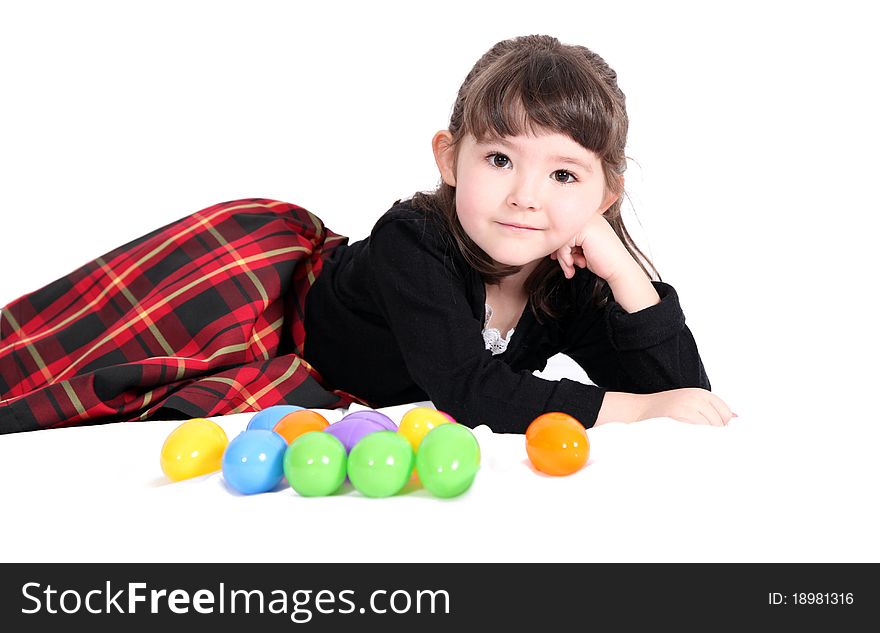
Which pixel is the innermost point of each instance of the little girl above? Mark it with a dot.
(457, 296)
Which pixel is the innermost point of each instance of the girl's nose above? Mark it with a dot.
(525, 193)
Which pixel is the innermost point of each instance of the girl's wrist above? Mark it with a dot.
(627, 272)
(619, 406)
(633, 289)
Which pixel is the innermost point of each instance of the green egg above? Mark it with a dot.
(380, 464)
(448, 460)
(314, 464)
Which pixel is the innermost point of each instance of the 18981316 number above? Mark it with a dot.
(811, 597)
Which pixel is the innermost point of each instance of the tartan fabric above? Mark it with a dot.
(198, 318)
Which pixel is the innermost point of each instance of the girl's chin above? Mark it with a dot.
(514, 256)
(511, 261)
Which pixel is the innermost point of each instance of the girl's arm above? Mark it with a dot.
(633, 292)
(640, 352)
(639, 343)
(647, 360)
(693, 405)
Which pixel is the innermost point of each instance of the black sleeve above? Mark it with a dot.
(641, 352)
(424, 300)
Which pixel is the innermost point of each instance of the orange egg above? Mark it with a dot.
(295, 423)
(414, 478)
(557, 444)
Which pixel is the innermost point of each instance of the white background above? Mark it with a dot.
(753, 138)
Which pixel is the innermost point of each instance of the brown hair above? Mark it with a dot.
(531, 82)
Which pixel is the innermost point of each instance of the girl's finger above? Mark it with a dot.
(556, 256)
(721, 409)
(712, 416)
(564, 268)
(569, 266)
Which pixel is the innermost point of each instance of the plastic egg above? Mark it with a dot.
(375, 416)
(380, 464)
(315, 464)
(254, 461)
(557, 444)
(448, 460)
(350, 430)
(269, 417)
(416, 423)
(294, 424)
(194, 448)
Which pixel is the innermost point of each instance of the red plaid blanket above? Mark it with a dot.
(201, 317)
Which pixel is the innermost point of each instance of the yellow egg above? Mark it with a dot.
(416, 423)
(194, 448)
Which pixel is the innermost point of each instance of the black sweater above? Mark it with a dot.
(398, 317)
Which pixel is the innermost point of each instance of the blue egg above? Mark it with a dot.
(254, 461)
(268, 418)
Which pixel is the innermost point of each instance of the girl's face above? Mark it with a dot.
(547, 185)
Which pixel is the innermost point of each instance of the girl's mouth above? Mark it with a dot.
(517, 227)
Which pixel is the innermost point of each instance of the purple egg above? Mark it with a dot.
(375, 416)
(350, 430)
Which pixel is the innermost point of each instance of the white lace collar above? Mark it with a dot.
(492, 336)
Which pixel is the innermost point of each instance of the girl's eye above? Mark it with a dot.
(495, 157)
(567, 173)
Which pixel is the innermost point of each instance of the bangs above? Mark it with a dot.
(542, 93)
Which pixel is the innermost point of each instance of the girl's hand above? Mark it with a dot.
(597, 247)
(693, 405)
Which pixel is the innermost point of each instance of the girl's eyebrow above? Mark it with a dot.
(563, 159)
